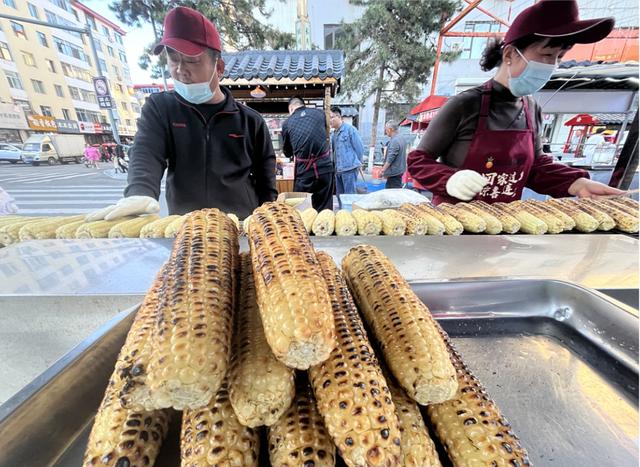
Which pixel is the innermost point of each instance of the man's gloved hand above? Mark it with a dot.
(465, 184)
(130, 206)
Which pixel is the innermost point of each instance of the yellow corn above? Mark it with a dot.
(351, 392)
(493, 226)
(10, 231)
(434, 226)
(451, 225)
(4, 220)
(392, 224)
(245, 225)
(69, 230)
(583, 221)
(414, 225)
(554, 225)
(618, 204)
(402, 324)
(308, 216)
(99, 229)
(509, 223)
(299, 438)
(630, 203)
(293, 202)
(624, 221)
(368, 223)
(324, 223)
(131, 228)
(261, 387)
(213, 436)
(605, 222)
(172, 229)
(471, 222)
(529, 223)
(45, 228)
(235, 220)
(292, 295)
(156, 228)
(567, 220)
(345, 224)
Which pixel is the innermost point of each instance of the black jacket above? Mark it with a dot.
(304, 135)
(226, 162)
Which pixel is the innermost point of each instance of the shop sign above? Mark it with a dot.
(12, 117)
(125, 130)
(67, 126)
(97, 128)
(86, 127)
(103, 94)
(426, 117)
(42, 123)
(106, 128)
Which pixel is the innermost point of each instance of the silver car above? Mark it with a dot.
(10, 153)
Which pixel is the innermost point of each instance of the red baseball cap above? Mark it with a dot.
(558, 18)
(189, 32)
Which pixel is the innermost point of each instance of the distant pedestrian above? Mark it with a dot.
(348, 151)
(92, 155)
(395, 161)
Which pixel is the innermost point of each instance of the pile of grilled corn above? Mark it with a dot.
(279, 337)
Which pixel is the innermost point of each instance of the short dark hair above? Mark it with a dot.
(296, 101)
(336, 110)
(213, 53)
(492, 53)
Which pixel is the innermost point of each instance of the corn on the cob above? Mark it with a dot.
(392, 224)
(509, 223)
(434, 226)
(554, 225)
(4, 220)
(172, 229)
(583, 221)
(367, 222)
(631, 203)
(292, 295)
(616, 203)
(212, 435)
(351, 392)
(471, 222)
(529, 223)
(46, 228)
(235, 220)
(451, 225)
(261, 387)
(299, 438)
(245, 225)
(605, 222)
(493, 226)
(414, 225)
(99, 229)
(156, 228)
(345, 224)
(192, 338)
(471, 427)
(123, 436)
(402, 324)
(567, 220)
(131, 228)
(9, 232)
(324, 224)
(624, 221)
(293, 202)
(68, 231)
(308, 216)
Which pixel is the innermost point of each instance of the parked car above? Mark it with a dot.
(10, 153)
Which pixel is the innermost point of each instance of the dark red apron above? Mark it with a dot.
(504, 157)
(312, 161)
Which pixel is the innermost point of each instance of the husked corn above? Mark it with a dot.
(69, 230)
(493, 226)
(583, 221)
(414, 225)
(567, 220)
(554, 225)
(308, 216)
(470, 221)
(451, 225)
(345, 224)
(156, 228)
(131, 228)
(324, 223)
(434, 226)
(367, 222)
(402, 325)
(99, 229)
(509, 223)
(351, 392)
(245, 225)
(9, 232)
(172, 229)
(292, 295)
(235, 220)
(45, 228)
(630, 203)
(529, 223)
(213, 436)
(624, 221)
(261, 387)
(605, 222)
(392, 224)
(616, 203)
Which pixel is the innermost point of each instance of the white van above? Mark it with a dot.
(53, 149)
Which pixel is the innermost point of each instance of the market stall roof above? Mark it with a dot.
(612, 118)
(595, 75)
(429, 103)
(582, 120)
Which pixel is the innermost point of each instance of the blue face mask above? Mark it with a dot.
(196, 93)
(533, 78)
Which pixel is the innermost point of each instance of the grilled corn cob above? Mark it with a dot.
(583, 221)
(172, 229)
(493, 226)
(615, 202)
(402, 324)
(261, 387)
(351, 392)
(624, 221)
(308, 216)
(156, 228)
(99, 229)
(192, 337)
(345, 223)
(509, 223)
(529, 223)
(470, 425)
(554, 225)
(213, 436)
(367, 222)
(9, 232)
(324, 223)
(4, 220)
(131, 228)
(299, 438)
(434, 226)
(414, 225)
(235, 220)
(567, 220)
(451, 225)
(245, 225)
(46, 228)
(631, 203)
(392, 224)
(292, 295)
(471, 222)
(68, 231)
(605, 222)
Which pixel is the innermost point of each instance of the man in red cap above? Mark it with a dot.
(217, 152)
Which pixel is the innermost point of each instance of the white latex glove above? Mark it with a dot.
(130, 206)
(465, 184)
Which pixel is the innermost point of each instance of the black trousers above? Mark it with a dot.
(394, 182)
(321, 188)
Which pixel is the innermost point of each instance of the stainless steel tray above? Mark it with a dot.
(560, 361)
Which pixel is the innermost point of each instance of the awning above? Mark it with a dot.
(582, 120)
(429, 103)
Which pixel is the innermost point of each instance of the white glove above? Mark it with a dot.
(465, 184)
(130, 206)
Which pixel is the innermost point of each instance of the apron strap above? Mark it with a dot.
(313, 162)
(527, 114)
(484, 105)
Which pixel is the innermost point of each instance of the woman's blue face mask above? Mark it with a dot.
(533, 78)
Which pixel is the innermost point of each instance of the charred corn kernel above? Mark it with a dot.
(554, 225)
(9, 232)
(235, 220)
(299, 438)
(567, 221)
(131, 228)
(156, 228)
(292, 295)
(509, 223)
(434, 226)
(172, 229)
(261, 387)
(192, 338)
(402, 324)
(367, 222)
(345, 224)
(631, 203)
(493, 226)
(451, 225)
(583, 221)
(212, 435)
(529, 223)
(624, 221)
(618, 204)
(414, 225)
(351, 392)
(308, 216)
(324, 224)
(45, 228)
(392, 224)
(245, 225)
(99, 229)
(605, 222)
(471, 427)
(125, 436)
(69, 230)
(470, 221)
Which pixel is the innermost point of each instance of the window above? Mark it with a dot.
(18, 30)
(105, 31)
(135, 107)
(103, 66)
(110, 51)
(332, 34)
(46, 111)
(83, 115)
(38, 86)
(127, 122)
(91, 21)
(472, 47)
(98, 45)
(28, 58)
(5, 54)
(50, 65)
(26, 106)
(66, 114)
(10, 3)
(42, 39)
(14, 79)
(88, 96)
(116, 72)
(59, 91)
(33, 11)
(118, 37)
(123, 57)
(71, 50)
(61, 4)
(75, 13)
(119, 88)
(75, 93)
(124, 106)
(73, 71)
